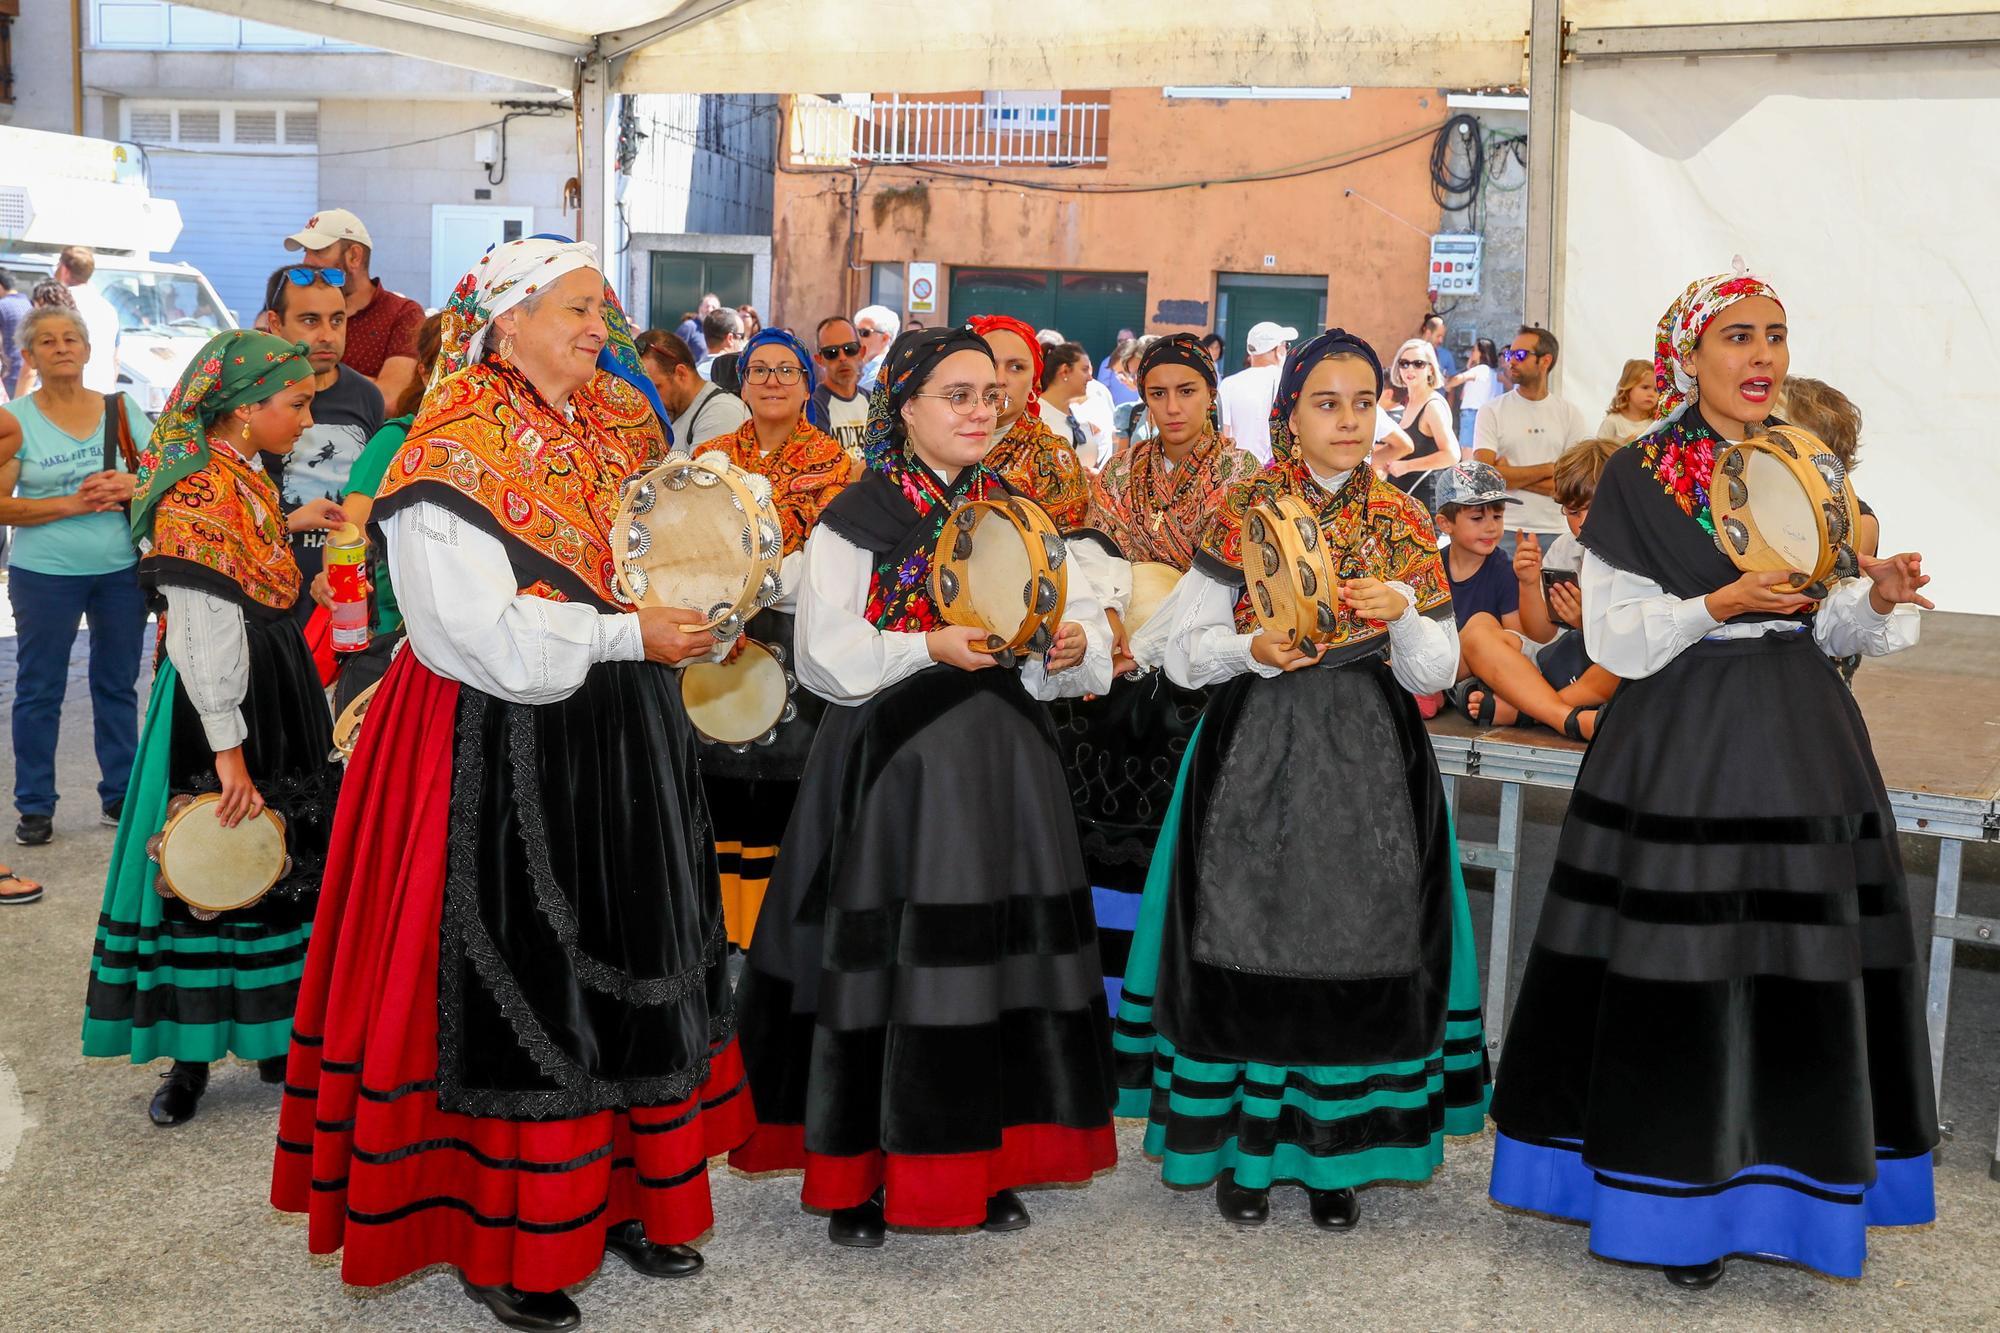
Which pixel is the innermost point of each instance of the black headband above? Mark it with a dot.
(916, 353)
(1333, 342)
(1182, 349)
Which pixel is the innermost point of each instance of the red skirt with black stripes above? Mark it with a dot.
(382, 1173)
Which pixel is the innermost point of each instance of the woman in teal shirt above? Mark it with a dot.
(72, 561)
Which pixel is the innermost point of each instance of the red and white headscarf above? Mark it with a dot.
(1683, 324)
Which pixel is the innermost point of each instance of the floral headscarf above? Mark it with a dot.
(233, 368)
(985, 324)
(1298, 366)
(1682, 326)
(508, 274)
(1182, 349)
(769, 337)
(905, 367)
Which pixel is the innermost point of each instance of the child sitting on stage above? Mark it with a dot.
(1547, 677)
(1471, 506)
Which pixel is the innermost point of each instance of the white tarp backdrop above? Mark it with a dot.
(1865, 188)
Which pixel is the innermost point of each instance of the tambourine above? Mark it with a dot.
(698, 533)
(1292, 591)
(1782, 503)
(741, 702)
(215, 869)
(999, 567)
(1152, 583)
(347, 727)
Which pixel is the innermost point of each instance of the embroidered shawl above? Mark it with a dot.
(806, 472)
(1151, 511)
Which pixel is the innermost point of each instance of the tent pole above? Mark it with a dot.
(595, 222)
(1548, 114)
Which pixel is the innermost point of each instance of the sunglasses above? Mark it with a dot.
(304, 276)
(1414, 365)
(1516, 355)
(834, 351)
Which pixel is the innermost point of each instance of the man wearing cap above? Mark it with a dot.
(1244, 399)
(1525, 430)
(382, 325)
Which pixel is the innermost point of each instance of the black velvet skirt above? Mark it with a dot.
(287, 753)
(1726, 970)
(1310, 915)
(582, 931)
(1123, 752)
(925, 976)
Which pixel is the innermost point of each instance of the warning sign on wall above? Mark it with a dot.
(923, 289)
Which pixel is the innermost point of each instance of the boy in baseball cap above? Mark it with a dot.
(1472, 502)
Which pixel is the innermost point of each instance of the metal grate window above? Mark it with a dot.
(150, 125)
(302, 127)
(198, 126)
(255, 127)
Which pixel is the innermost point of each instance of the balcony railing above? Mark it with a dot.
(983, 133)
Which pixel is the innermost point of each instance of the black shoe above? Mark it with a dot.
(534, 1310)
(271, 1069)
(1334, 1210)
(1005, 1212)
(1244, 1207)
(859, 1227)
(179, 1095)
(1695, 1277)
(628, 1241)
(35, 830)
(111, 812)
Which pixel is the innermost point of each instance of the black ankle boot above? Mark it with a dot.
(628, 1241)
(271, 1070)
(1695, 1277)
(179, 1094)
(1245, 1207)
(1005, 1212)
(1334, 1210)
(859, 1227)
(536, 1311)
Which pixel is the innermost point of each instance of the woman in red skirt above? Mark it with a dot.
(513, 1049)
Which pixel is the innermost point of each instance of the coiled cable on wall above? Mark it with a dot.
(1458, 140)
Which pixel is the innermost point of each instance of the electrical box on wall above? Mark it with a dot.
(1455, 263)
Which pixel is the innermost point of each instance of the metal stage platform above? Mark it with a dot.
(1943, 777)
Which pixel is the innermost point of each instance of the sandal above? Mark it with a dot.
(1573, 726)
(1461, 694)
(18, 897)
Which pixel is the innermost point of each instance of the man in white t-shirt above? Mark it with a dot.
(73, 269)
(1243, 401)
(1523, 432)
(843, 407)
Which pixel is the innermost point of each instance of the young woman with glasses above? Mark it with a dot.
(922, 1009)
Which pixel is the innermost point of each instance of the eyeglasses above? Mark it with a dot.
(305, 275)
(834, 351)
(765, 374)
(1416, 364)
(1516, 355)
(962, 401)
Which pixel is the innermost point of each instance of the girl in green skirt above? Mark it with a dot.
(237, 709)
(1302, 1000)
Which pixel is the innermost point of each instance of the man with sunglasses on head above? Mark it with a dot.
(382, 325)
(843, 408)
(1524, 431)
(308, 305)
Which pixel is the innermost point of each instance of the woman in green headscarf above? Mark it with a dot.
(236, 709)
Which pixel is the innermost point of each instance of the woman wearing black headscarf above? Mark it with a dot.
(922, 1011)
(1302, 1002)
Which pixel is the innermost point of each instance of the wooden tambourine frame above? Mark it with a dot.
(1291, 587)
(999, 566)
(1784, 491)
(741, 702)
(699, 533)
(1152, 583)
(256, 851)
(347, 727)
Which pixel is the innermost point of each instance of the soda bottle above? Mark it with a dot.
(346, 559)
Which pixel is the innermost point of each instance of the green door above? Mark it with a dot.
(1026, 294)
(1087, 308)
(679, 281)
(1246, 299)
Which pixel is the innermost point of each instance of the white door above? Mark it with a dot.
(460, 233)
